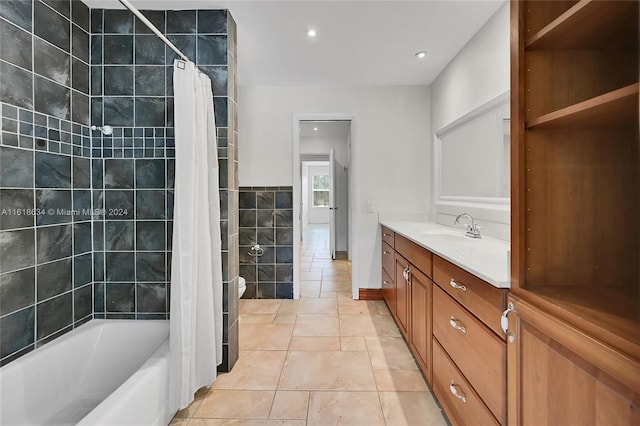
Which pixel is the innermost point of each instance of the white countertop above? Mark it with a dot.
(487, 258)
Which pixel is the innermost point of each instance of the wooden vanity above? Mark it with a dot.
(451, 321)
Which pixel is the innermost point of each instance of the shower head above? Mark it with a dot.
(106, 129)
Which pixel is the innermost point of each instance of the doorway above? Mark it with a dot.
(323, 187)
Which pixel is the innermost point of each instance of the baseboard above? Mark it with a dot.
(370, 294)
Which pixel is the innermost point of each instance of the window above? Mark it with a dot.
(320, 190)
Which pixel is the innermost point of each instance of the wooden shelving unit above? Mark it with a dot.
(578, 167)
(575, 208)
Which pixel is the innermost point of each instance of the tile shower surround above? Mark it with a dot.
(45, 259)
(131, 173)
(266, 218)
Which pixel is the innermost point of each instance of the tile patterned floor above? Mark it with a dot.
(322, 360)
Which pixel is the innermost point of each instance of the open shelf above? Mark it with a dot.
(616, 108)
(590, 24)
(610, 313)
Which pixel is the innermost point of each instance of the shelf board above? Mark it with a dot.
(610, 313)
(616, 108)
(590, 24)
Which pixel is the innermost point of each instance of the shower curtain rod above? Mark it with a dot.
(153, 28)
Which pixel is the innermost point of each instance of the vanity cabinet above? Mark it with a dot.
(451, 322)
(574, 333)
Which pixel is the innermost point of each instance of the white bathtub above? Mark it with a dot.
(106, 372)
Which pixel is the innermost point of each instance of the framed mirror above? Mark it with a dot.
(472, 158)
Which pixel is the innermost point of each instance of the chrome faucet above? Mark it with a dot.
(473, 230)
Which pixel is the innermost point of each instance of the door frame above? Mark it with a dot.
(353, 194)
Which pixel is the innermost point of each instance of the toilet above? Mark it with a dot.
(242, 286)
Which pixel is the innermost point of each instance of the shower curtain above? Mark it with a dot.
(196, 266)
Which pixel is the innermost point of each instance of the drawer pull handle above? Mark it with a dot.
(454, 391)
(386, 235)
(385, 282)
(454, 284)
(385, 252)
(454, 324)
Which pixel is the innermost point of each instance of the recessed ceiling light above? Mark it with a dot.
(311, 33)
(315, 129)
(421, 54)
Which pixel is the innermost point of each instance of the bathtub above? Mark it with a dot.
(106, 372)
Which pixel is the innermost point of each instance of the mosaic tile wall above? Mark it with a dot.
(45, 195)
(48, 67)
(266, 218)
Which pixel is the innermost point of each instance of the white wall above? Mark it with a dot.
(320, 146)
(390, 158)
(479, 73)
(315, 214)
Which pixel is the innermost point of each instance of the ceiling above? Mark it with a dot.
(357, 43)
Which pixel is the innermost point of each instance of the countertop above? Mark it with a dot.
(487, 258)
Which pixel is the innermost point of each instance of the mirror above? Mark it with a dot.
(473, 156)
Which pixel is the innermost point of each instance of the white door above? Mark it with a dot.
(332, 203)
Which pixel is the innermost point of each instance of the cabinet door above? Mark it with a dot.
(402, 294)
(552, 384)
(420, 330)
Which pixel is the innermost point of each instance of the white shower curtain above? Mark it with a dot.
(196, 267)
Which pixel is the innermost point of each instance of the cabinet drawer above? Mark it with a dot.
(477, 352)
(420, 257)
(388, 256)
(388, 236)
(389, 291)
(447, 379)
(485, 301)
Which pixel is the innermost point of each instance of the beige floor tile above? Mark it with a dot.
(309, 306)
(310, 275)
(382, 308)
(305, 265)
(353, 344)
(179, 421)
(197, 400)
(230, 404)
(363, 325)
(316, 325)
(310, 288)
(310, 293)
(285, 318)
(290, 405)
(257, 318)
(410, 408)
(357, 307)
(345, 408)
(263, 306)
(254, 370)
(328, 295)
(327, 370)
(390, 353)
(274, 337)
(400, 380)
(245, 422)
(331, 285)
(314, 343)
